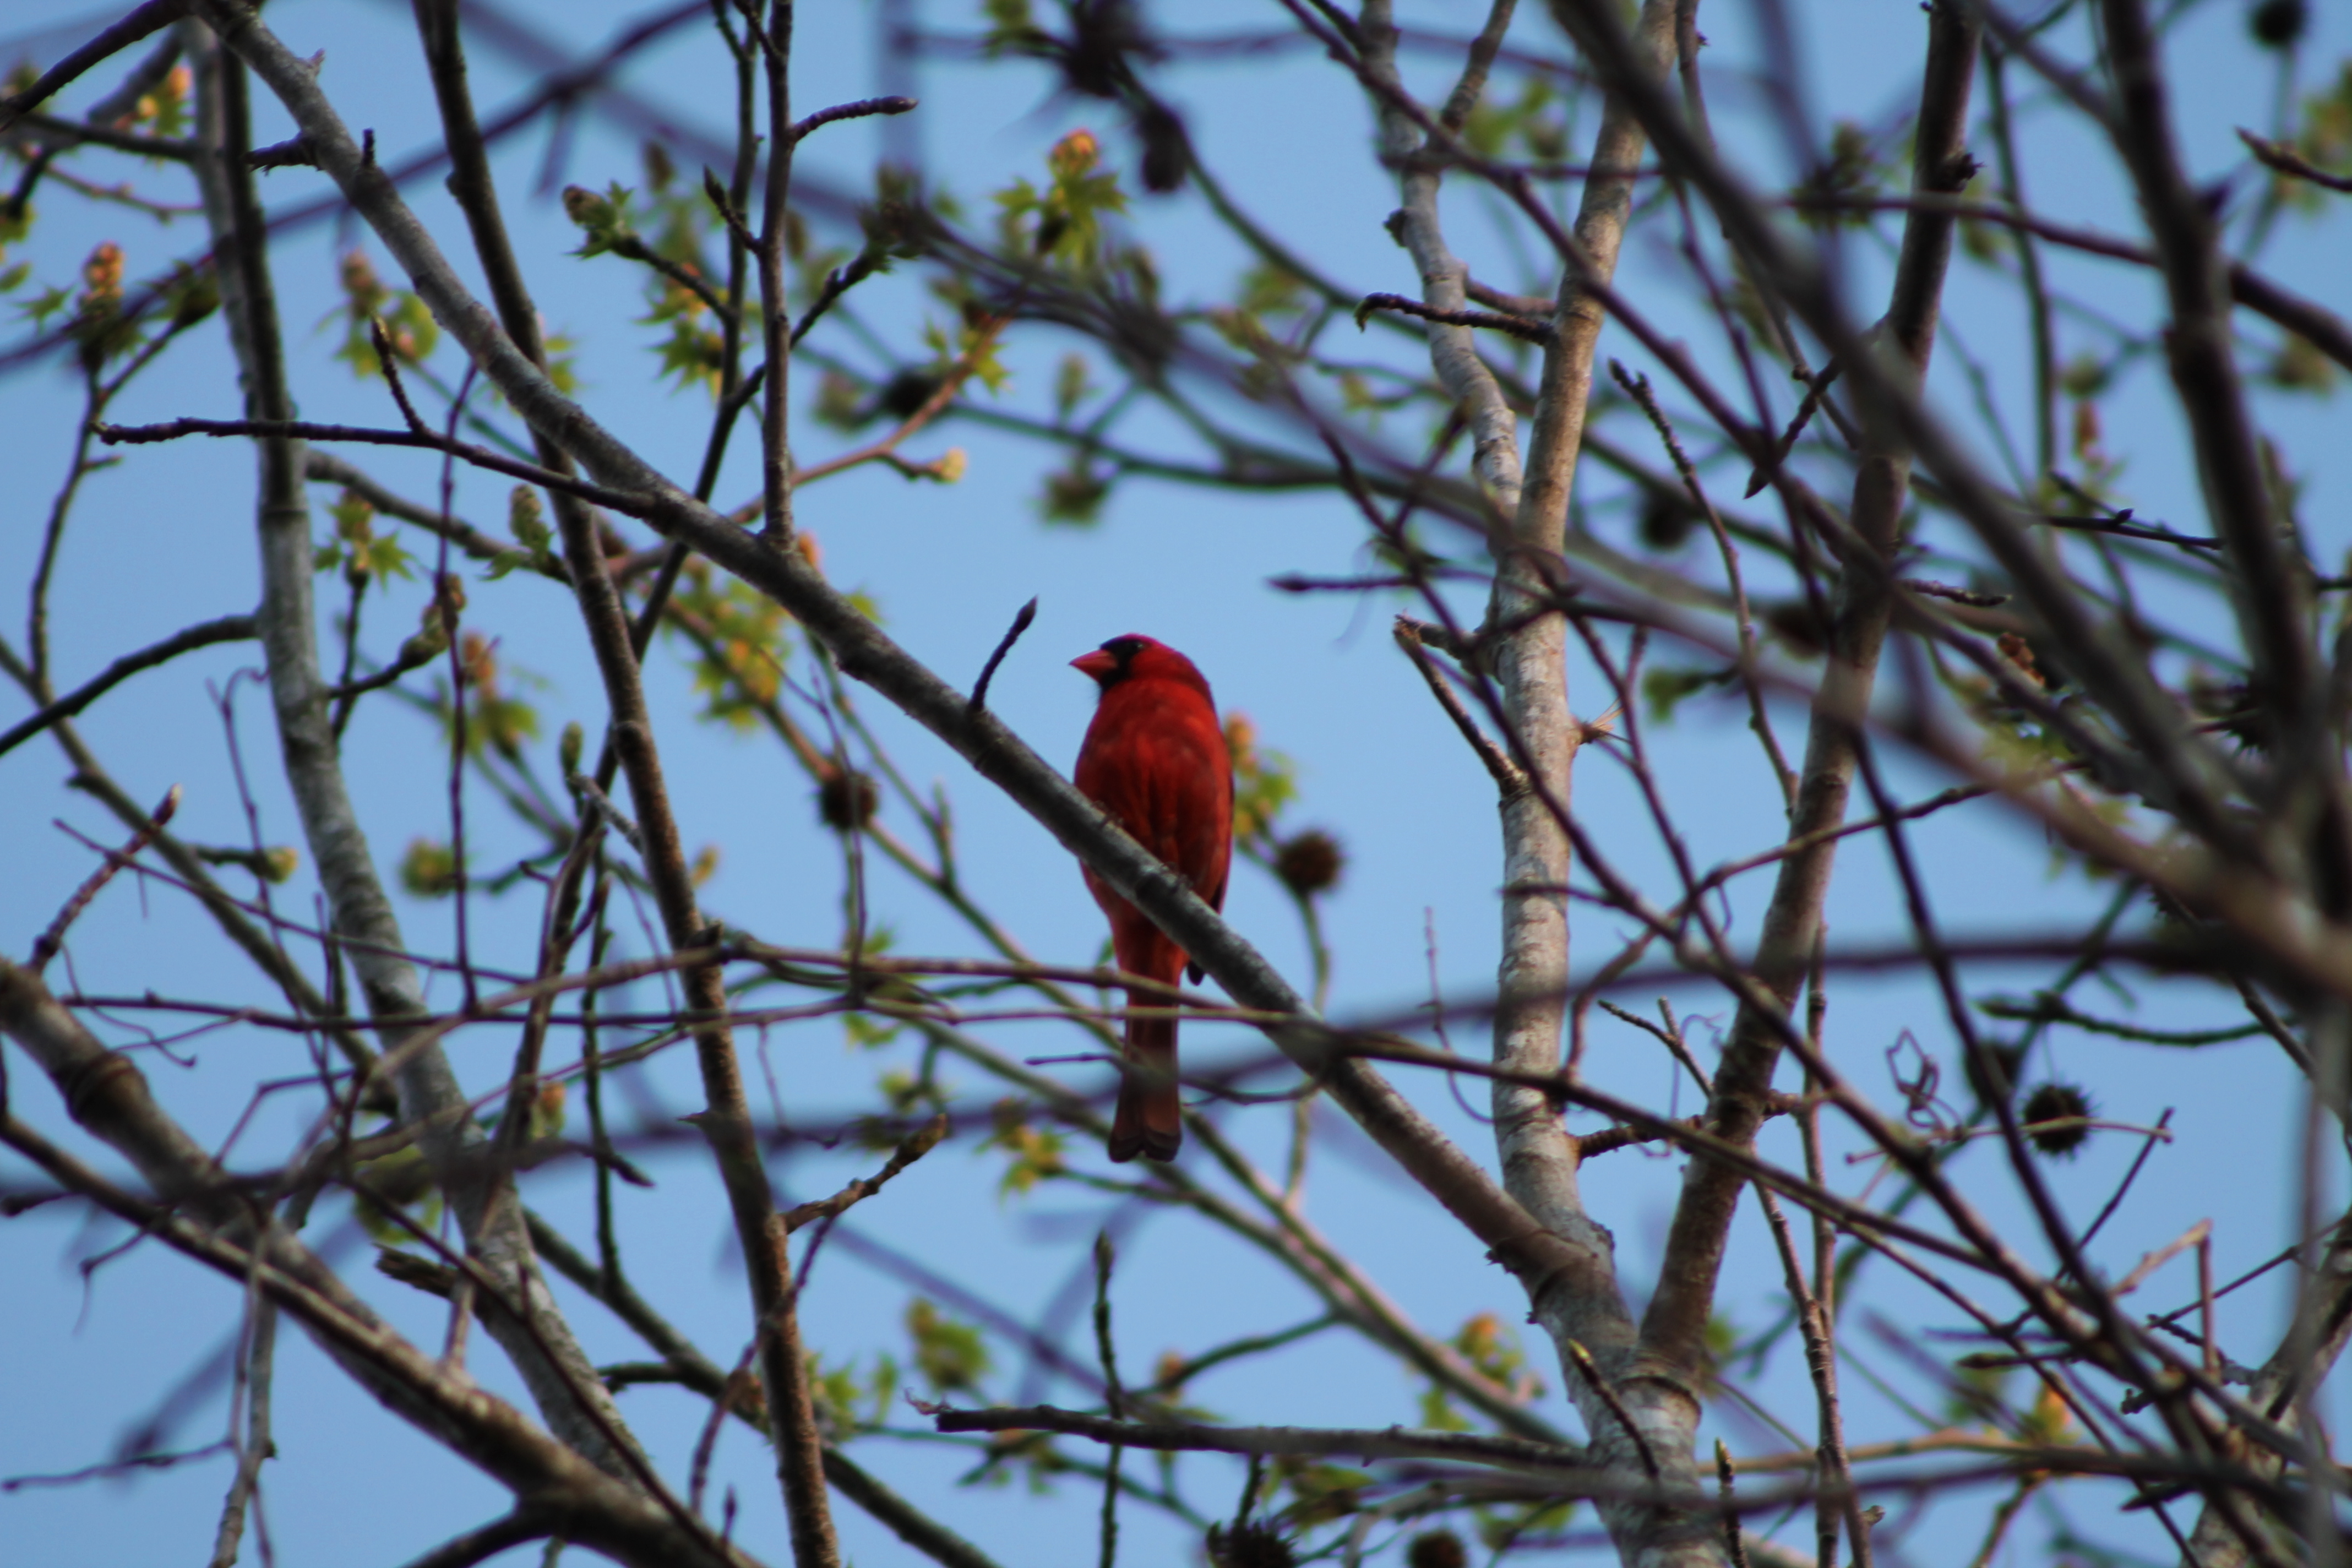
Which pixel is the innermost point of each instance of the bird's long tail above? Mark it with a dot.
(1150, 1119)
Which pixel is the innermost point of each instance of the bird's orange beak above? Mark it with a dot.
(1099, 663)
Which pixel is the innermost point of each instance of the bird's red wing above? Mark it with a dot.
(1217, 853)
(1205, 853)
(1155, 760)
(1172, 788)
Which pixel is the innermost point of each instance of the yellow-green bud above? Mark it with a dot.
(585, 208)
(525, 520)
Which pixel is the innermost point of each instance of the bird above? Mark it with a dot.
(1155, 760)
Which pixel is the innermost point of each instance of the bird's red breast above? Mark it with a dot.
(1155, 760)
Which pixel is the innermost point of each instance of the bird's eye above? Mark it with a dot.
(1123, 648)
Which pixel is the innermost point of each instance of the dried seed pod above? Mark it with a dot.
(1311, 862)
(1437, 1549)
(2057, 1102)
(2278, 24)
(1250, 1545)
(846, 799)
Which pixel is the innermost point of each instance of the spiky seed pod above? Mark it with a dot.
(1250, 1545)
(2057, 1102)
(846, 800)
(2277, 23)
(1167, 155)
(1667, 520)
(1437, 1549)
(908, 391)
(1311, 862)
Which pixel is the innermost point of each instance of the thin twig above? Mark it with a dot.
(856, 110)
(228, 628)
(415, 655)
(148, 18)
(1021, 619)
(1668, 1036)
(1508, 778)
(73, 133)
(1115, 1398)
(296, 154)
(2287, 161)
(46, 947)
(1525, 329)
(305, 430)
(1732, 1544)
(1388, 1442)
(737, 1386)
(932, 407)
(1608, 1395)
(912, 1148)
(1638, 388)
(2121, 525)
(480, 1545)
(1817, 389)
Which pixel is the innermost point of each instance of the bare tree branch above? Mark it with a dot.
(109, 1095)
(228, 628)
(562, 1382)
(1675, 1322)
(148, 18)
(865, 653)
(1377, 1443)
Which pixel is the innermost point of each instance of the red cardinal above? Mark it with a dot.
(1155, 760)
